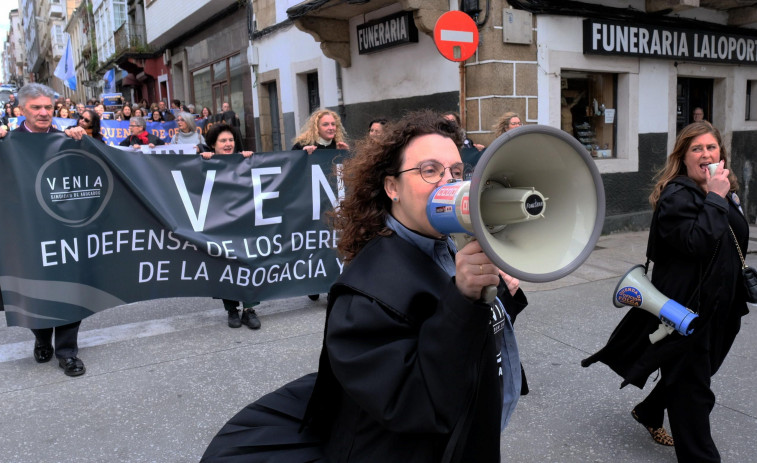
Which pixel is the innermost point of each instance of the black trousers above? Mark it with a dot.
(66, 339)
(230, 305)
(689, 401)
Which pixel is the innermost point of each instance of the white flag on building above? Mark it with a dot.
(65, 70)
(110, 81)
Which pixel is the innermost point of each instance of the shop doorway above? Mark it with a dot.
(692, 94)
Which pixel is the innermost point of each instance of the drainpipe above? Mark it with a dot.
(463, 116)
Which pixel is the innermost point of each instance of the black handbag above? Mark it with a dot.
(750, 274)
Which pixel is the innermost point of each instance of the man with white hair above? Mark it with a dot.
(36, 103)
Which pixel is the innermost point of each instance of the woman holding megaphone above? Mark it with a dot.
(697, 234)
(414, 366)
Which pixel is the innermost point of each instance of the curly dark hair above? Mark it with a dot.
(217, 129)
(361, 216)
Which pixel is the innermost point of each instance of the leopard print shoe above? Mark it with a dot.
(659, 435)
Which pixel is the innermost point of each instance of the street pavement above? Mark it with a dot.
(163, 376)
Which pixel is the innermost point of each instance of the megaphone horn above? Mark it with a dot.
(635, 290)
(535, 202)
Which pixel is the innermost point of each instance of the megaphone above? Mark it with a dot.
(535, 202)
(635, 290)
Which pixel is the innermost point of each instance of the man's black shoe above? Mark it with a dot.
(72, 366)
(314, 297)
(234, 319)
(42, 352)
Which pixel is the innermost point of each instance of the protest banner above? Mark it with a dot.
(87, 227)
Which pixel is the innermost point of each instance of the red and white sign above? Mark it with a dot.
(456, 36)
(446, 194)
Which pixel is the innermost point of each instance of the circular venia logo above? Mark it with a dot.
(74, 187)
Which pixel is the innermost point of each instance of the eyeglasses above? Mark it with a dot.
(86, 120)
(134, 125)
(433, 171)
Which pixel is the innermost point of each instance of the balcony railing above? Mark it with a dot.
(130, 38)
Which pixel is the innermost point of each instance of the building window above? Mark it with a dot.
(236, 71)
(588, 110)
(219, 82)
(272, 93)
(58, 34)
(201, 84)
(314, 99)
(119, 13)
(751, 100)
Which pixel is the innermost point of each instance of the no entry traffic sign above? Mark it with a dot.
(456, 36)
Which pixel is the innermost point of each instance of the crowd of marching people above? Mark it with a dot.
(192, 122)
(416, 365)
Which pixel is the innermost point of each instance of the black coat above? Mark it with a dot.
(689, 242)
(22, 128)
(330, 146)
(404, 353)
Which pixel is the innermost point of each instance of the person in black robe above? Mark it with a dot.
(697, 229)
(415, 367)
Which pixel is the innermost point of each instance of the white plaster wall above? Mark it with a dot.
(741, 76)
(560, 32)
(409, 70)
(282, 6)
(163, 15)
(294, 52)
(655, 110)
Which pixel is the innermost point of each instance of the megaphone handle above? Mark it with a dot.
(488, 293)
(659, 334)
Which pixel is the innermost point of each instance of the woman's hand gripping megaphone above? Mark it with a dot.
(476, 276)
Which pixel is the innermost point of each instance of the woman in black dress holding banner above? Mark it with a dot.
(323, 130)
(223, 140)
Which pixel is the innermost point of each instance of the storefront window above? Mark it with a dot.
(225, 85)
(219, 71)
(588, 110)
(202, 89)
(236, 97)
